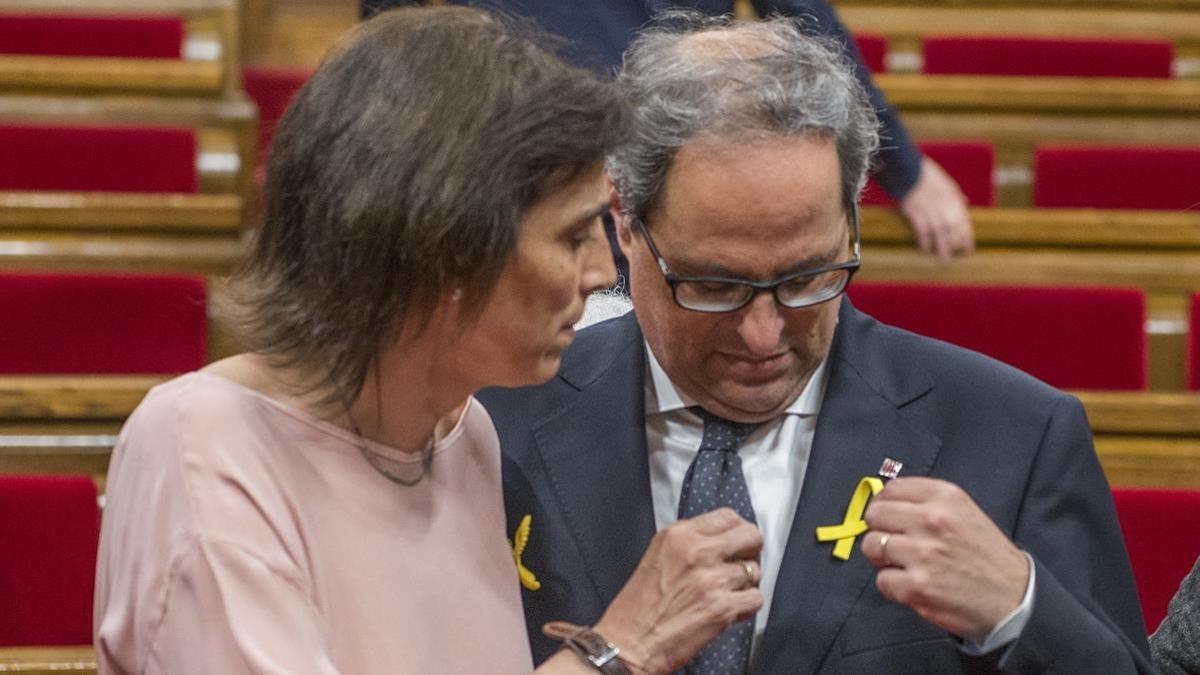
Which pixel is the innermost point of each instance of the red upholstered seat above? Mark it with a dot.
(970, 163)
(1117, 177)
(873, 49)
(92, 324)
(138, 36)
(1048, 57)
(1072, 338)
(113, 159)
(271, 89)
(1162, 534)
(49, 530)
(1193, 344)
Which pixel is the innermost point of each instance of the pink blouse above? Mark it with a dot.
(241, 535)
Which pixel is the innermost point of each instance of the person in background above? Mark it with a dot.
(1175, 646)
(597, 32)
(330, 501)
(743, 378)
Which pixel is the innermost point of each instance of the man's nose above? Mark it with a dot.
(760, 325)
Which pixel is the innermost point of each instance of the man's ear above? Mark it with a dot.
(620, 219)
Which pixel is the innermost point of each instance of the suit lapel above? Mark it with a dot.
(594, 450)
(860, 423)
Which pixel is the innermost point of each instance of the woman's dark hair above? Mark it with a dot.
(403, 169)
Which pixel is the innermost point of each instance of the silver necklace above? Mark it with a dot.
(377, 460)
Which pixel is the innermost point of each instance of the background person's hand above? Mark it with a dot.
(937, 211)
(945, 558)
(690, 586)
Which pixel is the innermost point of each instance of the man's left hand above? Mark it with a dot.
(944, 557)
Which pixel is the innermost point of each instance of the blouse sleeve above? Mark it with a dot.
(228, 611)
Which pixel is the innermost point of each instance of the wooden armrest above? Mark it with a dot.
(95, 397)
(48, 660)
(179, 213)
(1042, 228)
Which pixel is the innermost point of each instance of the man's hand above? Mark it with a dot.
(944, 558)
(937, 211)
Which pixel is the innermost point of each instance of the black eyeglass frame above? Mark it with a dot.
(760, 286)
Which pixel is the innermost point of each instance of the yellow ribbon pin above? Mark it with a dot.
(853, 524)
(519, 541)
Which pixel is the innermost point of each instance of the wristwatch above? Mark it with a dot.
(589, 646)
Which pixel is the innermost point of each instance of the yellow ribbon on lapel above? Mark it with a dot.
(852, 524)
(519, 541)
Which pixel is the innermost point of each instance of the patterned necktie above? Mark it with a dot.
(715, 479)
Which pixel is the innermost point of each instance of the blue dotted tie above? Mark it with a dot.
(715, 479)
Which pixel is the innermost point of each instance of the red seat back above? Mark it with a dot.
(114, 159)
(139, 36)
(49, 531)
(1046, 57)
(92, 324)
(1162, 534)
(272, 90)
(1116, 177)
(971, 164)
(1072, 338)
(1193, 344)
(873, 49)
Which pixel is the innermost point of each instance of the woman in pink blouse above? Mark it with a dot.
(329, 501)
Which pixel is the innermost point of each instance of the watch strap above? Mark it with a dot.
(591, 647)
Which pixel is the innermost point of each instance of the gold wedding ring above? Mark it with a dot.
(749, 570)
(883, 542)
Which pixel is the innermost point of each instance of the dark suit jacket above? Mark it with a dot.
(574, 457)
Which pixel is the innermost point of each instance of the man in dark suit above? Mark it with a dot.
(742, 378)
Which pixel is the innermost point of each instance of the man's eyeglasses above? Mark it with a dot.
(722, 294)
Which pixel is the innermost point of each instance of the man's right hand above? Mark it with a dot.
(699, 576)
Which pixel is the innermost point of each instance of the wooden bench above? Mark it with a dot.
(1156, 251)
(68, 425)
(1018, 113)
(905, 22)
(227, 128)
(208, 67)
(202, 232)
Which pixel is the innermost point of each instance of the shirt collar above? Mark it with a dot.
(663, 397)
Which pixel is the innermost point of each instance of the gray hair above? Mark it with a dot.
(703, 78)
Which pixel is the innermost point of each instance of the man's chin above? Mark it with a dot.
(750, 404)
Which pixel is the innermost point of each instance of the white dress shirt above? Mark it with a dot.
(774, 461)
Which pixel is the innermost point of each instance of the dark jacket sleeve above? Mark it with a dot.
(1086, 617)
(1175, 646)
(899, 159)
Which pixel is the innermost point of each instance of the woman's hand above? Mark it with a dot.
(698, 577)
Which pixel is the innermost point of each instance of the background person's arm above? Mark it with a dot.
(929, 198)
